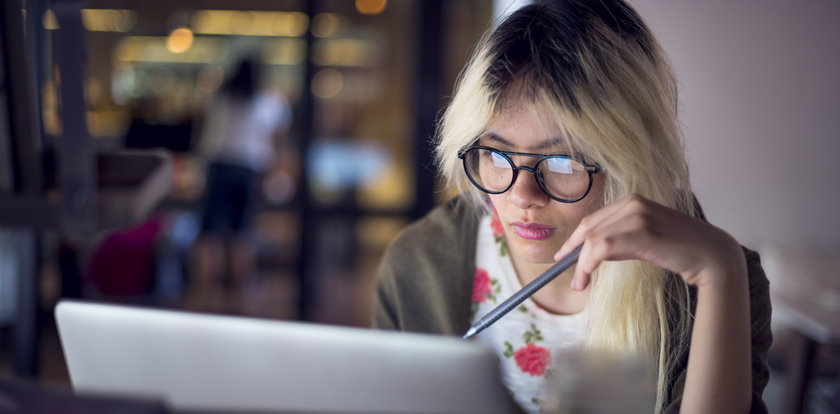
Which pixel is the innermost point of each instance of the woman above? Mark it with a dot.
(563, 130)
(244, 125)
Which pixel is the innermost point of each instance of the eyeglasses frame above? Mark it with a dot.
(590, 169)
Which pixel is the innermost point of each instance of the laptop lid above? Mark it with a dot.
(208, 362)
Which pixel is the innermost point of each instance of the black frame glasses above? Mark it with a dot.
(590, 169)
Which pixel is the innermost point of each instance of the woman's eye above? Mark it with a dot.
(560, 165)
(499, 160)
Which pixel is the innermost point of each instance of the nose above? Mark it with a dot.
(526, 192)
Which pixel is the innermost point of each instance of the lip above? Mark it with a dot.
(533, 231)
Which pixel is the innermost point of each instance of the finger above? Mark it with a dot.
(583, 228)
(580, 279)
(624, 240)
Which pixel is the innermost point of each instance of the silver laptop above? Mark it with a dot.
(205, 362)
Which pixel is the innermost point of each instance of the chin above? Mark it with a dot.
(535, 252)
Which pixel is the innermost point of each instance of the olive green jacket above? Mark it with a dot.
(425, 285)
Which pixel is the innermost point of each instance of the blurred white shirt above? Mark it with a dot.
(241, 132)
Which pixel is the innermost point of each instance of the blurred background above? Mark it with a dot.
(126, 148)
(122, 121)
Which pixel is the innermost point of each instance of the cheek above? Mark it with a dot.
(496, 202)
(595, 199)
(592, 203)
(574, 213)
(567, 216)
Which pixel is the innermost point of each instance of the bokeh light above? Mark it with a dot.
(180, 40)
(371, 7)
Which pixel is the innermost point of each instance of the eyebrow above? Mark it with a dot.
(547, 144)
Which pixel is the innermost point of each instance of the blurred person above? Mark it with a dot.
(563, 130)
(243, 127)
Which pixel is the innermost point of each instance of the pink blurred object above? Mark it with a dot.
(123, 264)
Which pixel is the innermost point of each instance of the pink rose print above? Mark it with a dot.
(497, 226)
(482, 286)
(498, 233)
(533, 359)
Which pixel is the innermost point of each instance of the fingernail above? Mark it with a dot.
(575, 284)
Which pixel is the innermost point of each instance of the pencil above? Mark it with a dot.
(524, 293)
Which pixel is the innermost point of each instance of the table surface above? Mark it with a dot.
(816, 319)
(805, 289)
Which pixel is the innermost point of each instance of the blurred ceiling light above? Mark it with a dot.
(326, 24)
(240, 22)
(49, 21)
(154, 49)
(327, 83)
(371, 7)
(98, 20)
(249, 23)
(109, 20)
(284, 52)
(180, 40)
(346, 52)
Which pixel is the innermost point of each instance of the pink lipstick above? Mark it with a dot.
(532, 231)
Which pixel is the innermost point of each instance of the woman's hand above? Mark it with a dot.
(637, 228)
(718, 376)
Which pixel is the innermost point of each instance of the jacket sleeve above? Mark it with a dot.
(424, 281)
(762, 337)
(386, 300)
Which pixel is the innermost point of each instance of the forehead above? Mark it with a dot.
(526, 126)
(515, 142)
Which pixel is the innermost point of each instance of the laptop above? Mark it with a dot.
(200, 362)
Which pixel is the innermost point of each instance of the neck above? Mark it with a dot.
(555, 297)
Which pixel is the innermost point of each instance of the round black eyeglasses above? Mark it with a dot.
(563, 178)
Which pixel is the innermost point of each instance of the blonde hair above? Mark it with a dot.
(596, 69)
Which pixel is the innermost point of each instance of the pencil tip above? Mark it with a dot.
(469, 333)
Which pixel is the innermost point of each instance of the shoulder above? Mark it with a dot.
(425, 277)
(445, 237)
(760, 329)
(755, 272)
(451, 222)
(759, 291)
(760, 306)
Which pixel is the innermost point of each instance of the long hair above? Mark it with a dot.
(596, 70)
(244, 81)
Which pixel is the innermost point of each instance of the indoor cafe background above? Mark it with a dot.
(365, 80)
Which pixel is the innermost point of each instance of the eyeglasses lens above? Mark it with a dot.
(491, 171)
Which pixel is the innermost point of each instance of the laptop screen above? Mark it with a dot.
(207, 362)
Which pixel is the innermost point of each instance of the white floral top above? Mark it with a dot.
(525, 338)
